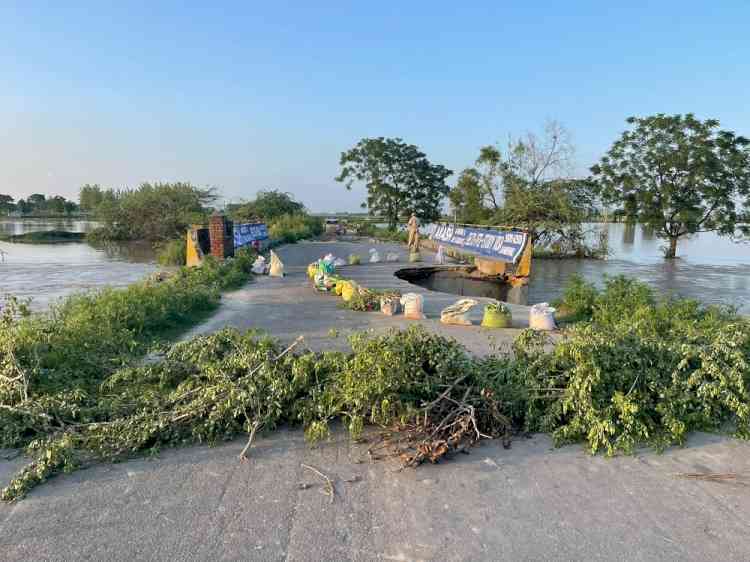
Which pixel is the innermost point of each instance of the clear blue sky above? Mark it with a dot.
(245, 96)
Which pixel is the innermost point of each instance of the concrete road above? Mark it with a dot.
(532, 502)
(290, 307)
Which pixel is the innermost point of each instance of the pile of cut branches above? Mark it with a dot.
(220, 386)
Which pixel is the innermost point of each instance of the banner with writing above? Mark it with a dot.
(245, 234)
(501, 245)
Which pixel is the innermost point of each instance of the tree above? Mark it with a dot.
(23, 207)
(6, 204)
(37, 202)
(56, 204)
(90, 197)
(683, 176)
(268, 205)
(491, 170)
(467, 198)
(153, 212)
(400, 180)
(70, 207)
(552, 211)
(537, 190)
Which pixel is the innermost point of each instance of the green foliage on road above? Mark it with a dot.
(636, 371)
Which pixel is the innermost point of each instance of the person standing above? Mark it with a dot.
(413, 228)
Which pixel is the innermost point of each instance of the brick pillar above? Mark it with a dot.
(221, 234)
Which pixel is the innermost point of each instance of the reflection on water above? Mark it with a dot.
(46, 272)
(710, 268)
(16, 226)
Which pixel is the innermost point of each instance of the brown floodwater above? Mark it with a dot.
(46, 272)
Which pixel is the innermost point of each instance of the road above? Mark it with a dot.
(529, 502)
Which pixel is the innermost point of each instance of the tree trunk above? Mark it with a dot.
(671, 252)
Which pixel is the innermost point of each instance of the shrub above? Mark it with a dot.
(173, 252)
(85, 337)
(577, 302)
(292, 228)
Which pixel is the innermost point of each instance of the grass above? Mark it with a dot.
(173, 252)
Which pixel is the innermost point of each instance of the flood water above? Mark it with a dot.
(454, 280)
(710, 268)
(45, 272)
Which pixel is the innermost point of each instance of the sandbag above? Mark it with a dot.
(277, 267)
(349, 289)
(390, 306)
(457, 313)
(413, 304)
(312, 270)
(440, 256)
(542, 317)
(338, 262)
(259, 266)
(325, 267)
(497, 316)
(354, 259)
(391, 257)
(339, 287)
(324, 283)
(374, 256)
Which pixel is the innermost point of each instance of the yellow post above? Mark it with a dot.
(194, 253)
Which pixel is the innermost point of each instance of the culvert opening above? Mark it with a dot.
(465, 281)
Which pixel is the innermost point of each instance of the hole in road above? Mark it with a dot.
(465, 281)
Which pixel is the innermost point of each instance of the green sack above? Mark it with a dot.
(326, 268)
(496, 317)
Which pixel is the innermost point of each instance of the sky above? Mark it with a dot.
(247, 96)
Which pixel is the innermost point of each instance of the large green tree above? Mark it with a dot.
(682, 176)
(6, 204)
(400, 180)
(153, 212)
(467, 198)
(268, 205)
(90, 197)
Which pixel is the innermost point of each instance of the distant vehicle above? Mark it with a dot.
(333, 226)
